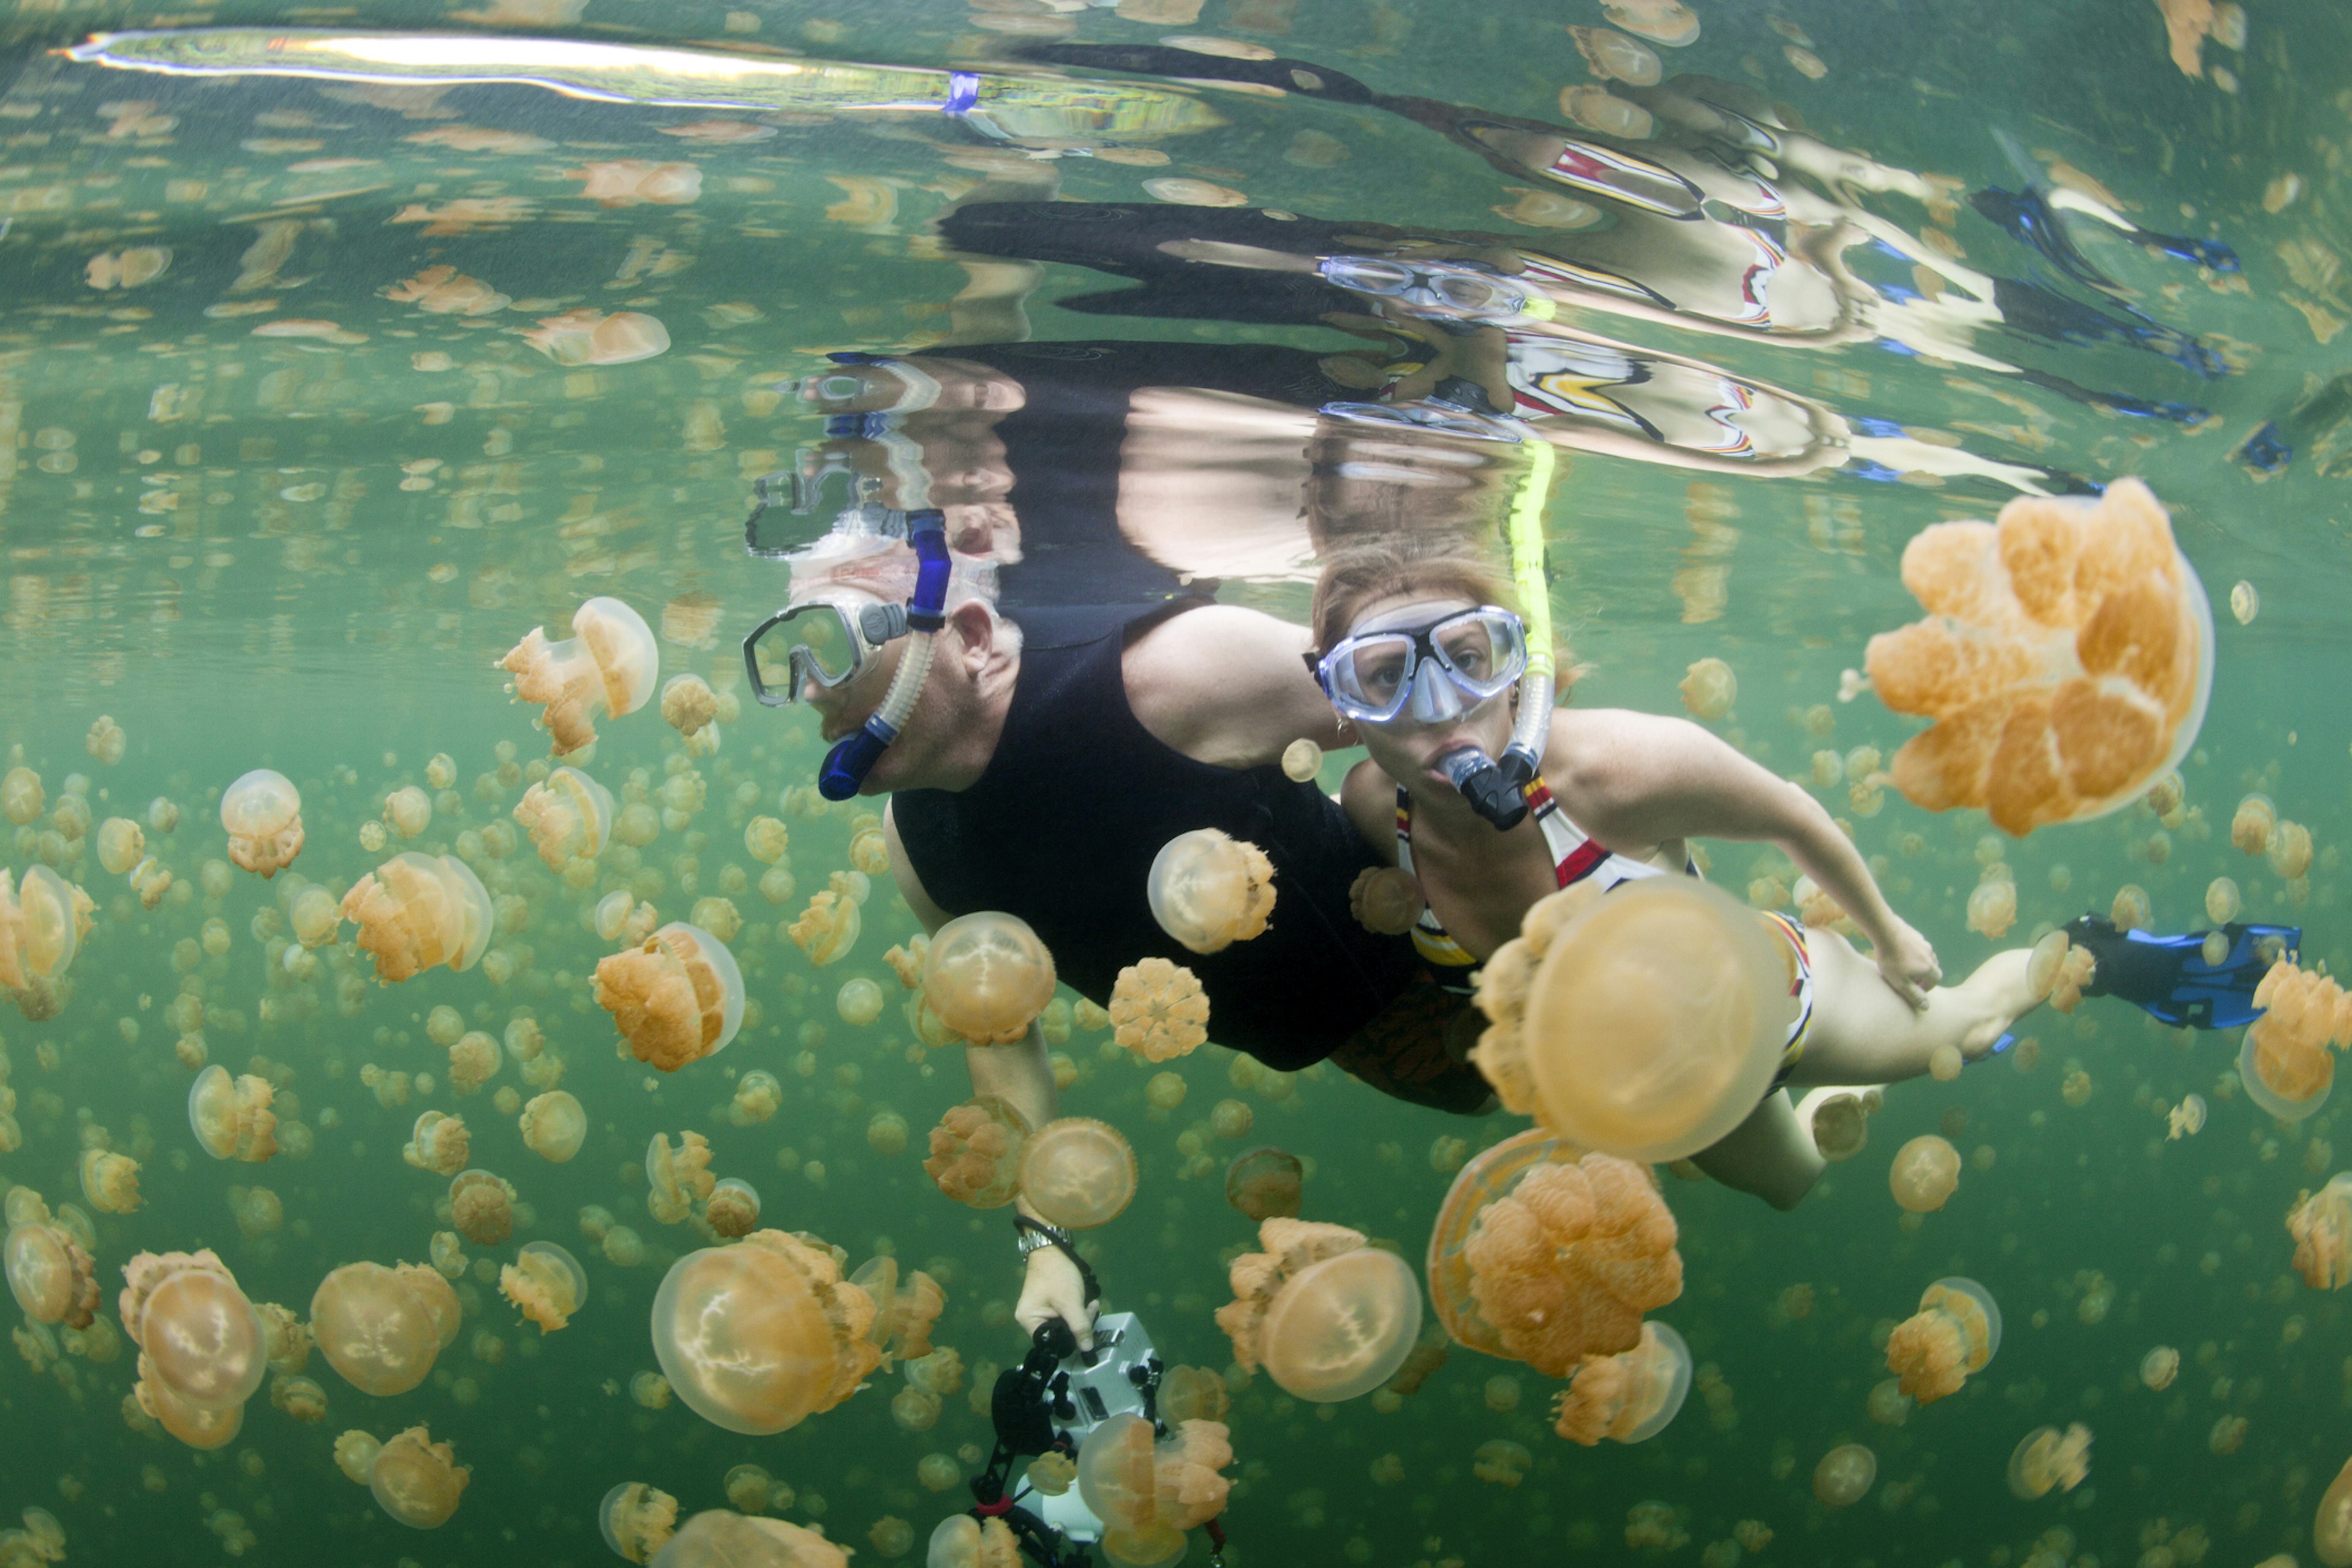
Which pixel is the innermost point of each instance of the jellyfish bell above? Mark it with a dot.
(1629, 1398)
(758, 1336)
(636, 1520)
(1328, 1317)
(718, 1539)
(49, 1273)
(1265, 1183)
(376, 1329)
(262, 812)
(987, 977)
(1956, 1332)
(1209, 890)
(975, 1153)
(611, 661)
(554, 1125)
(545, 1283)
(962, 1541)
(1844, 1475)
(231, 1117)
(2284, 1060)
(2047, 1458)
(1078, 1173)
(420, 911)
(675, 999)
(1924, 1174)
(2331, 1526)
(416, 1482)
(198, 1336)
(39, 928)
(569, 816)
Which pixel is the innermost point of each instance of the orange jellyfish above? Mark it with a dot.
(21, 796)
(1629, 1398)
(626, 182)
(569, 816)
(1328, 1317)
(231, 1117)
(1148, 1494)
(263, 814)
(583, 336)
(903, 1314)
(1266, 1184)
(481, 1206)
(1210, 890)
(50, 1274)
(758, 1336)
(377, 1328)
(2321, 1224)
(987, 977)
(120, 843)
(2284, 1060)
(555, 1126)
(2048, 1458)
(1646, 1025)
(636, 1520)
(2331, 1528)
(1955, 1332)
(40, 927)
(610, 660)
(1547, 1254)
(1157, 1010)
(1386, 900)
(1709, 689)
(2066, 659)
(110, 1181)
(2158, 1367)
(963, 1541)
(416, 912)
(1924, 1174)
(545, 1283)
(417, 1480)
(201, 1351)
(975, 1153)
(829, 928)
(1078, 1172)
(677, 1180)
(718, 1539)
(676, 999)
(1844, 1475)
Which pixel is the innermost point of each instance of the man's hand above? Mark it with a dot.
(1056, 1289)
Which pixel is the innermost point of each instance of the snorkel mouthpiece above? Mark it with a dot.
(1491, 794)
(846, 765)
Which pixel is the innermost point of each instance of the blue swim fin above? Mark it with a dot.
(2167, 977)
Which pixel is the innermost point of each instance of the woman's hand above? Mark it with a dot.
(1907, 963)
(1056, 1289)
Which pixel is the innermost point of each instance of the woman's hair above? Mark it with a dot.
(1434, 565)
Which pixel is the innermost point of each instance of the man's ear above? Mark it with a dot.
(975, 634)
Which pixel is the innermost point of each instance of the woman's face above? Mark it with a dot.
(1409, 751)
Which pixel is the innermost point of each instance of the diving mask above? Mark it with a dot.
(1425, 674)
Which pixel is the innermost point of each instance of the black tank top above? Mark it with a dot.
(1062, 828)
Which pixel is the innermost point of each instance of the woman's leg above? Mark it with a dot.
(1863, 1033)
(1770, 1154)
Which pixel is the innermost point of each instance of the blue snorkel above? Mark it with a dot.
(846, 765)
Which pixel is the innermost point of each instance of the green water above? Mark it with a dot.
(308, 553)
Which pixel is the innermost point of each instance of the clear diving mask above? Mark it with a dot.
(1428, 674)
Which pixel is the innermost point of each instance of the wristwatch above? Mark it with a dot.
(1034, 1233)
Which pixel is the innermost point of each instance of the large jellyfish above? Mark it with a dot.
(231, 1117)
(2066, 659)
(545, 1283)
(987, 977)
(201, 1351)
(758, 1336)
(263, 814)
(39, 928)
(416, 912)
(2321, 1224)
(1078, 1172)
(1955, 1332)
(2331, 1527)
(975, 1153)
(1541, 1256)
(718, 1539)
(2284, 1060)
(610, 661)
(417, 1480)
(636, 1520)
(376, 1326)
(1148, 1494)
(963, 1541)
(1646, 1025)
(1326, 1316)
(1210, 890)
(569, 816)
(1265, 1183)
(1157, 1010)
(1924, 1174)
(49, 1273)
(1628, 1397)
(676, 999)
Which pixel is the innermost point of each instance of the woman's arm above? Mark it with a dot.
(1229, 686)
(1369, 797)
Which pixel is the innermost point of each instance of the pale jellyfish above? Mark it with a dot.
(263, 814)
(569, 816)
(40, 927)
(1301, 759)
(2188, 1118)
(1209, 890)
(1265, 1183)
(110, 1181)
(676, 999)
(678, 1179)
(2289, 849)
(718, 1539)
(120, 843)
(2048, 1458)
(858, 1002)
(732, 1209)
(310, 911)
(975, 1153)
(1500, 1462)
(887, 1134)
(1629, 1398)
(545, 1283)
(1157, 1010)
(1147, 1494)
(356, 1454)
(1924, 1174)
(829, 928)
(583, 336)
(2158, 1367)
(758, 1097)
(417, 1480)
(199, 1338)
(2321, 1224)
(692, 707)
(1668, 22)
(231, 1117)
(1325, 1316)
(50, 1274)
(417, 912)
(963, 1541)
(636, 1520)
(1646, 1025)
(1844, 1474)
(765, 839)
(2251, 823)
(1386, 900)
(758, 1336)
(2331, 1528)
(555, 1126)
(1078, 1172)
(376, 1327)
(2245, 602)
(1611, 56)
(1709, 689)
(1955, 1332)
(409, 810)
(987, 977)
(21, 796)
(610, 661)
(1992, 907)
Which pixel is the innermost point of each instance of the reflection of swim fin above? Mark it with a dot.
(2167, 977)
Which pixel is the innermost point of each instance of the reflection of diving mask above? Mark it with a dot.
(1446, 291)
(1429, 674)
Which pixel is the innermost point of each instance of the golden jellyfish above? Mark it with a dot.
(199, 1338)
(2048, 1458)
(758, 1096)
(438, 1144)
(677, 1179)
(545, 1283)
(2321, 1224)
(2331, 1527)
(718, 1539)
(1148, 1493)
(474, 1059)
(1709, 689)
(1157, 1010)
(609, 661)
(1668, 22)
(1209, 890)
(120, 843)
(50, 1274)
(827, 929)
(1924, 1174)
(758, 1336)
(1611, 56)
(1301, 759)
(963, 1541)
(2284, 1060)
(553, 1126)
(676, 999)
(1956, 1331)
(636, 1520)
(355, 1453)
(626, 182)
(732, 1209)
(903, 1314)
(765, 839)
(1992, 907)
(1500, 1462)
(310, 911)
(1646, 1025)
(1629, 1398)
(263, 814)
(858, 1002)
(1386, 900)
(377, 1328)
(886, 1134)
(1193, 1393)
(1328, 1317)
(481, 1207)
(690, 707)
(110, 1181)
(2252, 823)
(1266, 1184)
(975, 1153)
(987, 977)
(2186, 1119)
(409, 810)
(569, 816)
(2066, 659)
(40, 927)
(417, 1480)
(1844, 1475)
(582, 336)
(2158, 1367)
(1078, 1172)
(21, 796)
(1839, 1120)
(419, 911)
(2289, 849)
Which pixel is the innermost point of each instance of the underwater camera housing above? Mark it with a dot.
(1048, 1404)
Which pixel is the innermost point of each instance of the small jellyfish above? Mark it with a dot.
(2284, 1060)
(417, 1480)
(677, 1179)
(21, 796)
(758, 1336)
(2331, 1527)
(120, 843)
(987, 977)
(1265, 1183)
(732, 1209)
(1709, 689)
(610, 661)
(1078, 1172)
(1301, 759)
(41, 924)
(1844, 1475)
(409, 810)
(827, 929)
(858, 1002)
(2245, 602)
(2158, 1367)
(1386, 900)
(676, 999)
(1147, 1494)
(690, 707)
(2048, 1458)
(376, 1327)
(110, 1181)
(356, 1454)
(545, 1283)
(2321, 1224)
(439, 1144)
(1209, 890)
(1955, 1332)
(1613, 56)
(2289, 849)
(636, 1520)
(1924, 1174)
(50, 1274)
(650, 1391)
(1157, 1010)
(1992, 907)
(2251, 823)
(263, 814)
(963, 1541)
(2223, 901)
(1328, 1317)
(569, 816)
(481, 1207)
(1629, 1398)
(758, 1097)
(418, 911)
(553, 1126)
(2187, 1119)
(975, 1153)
